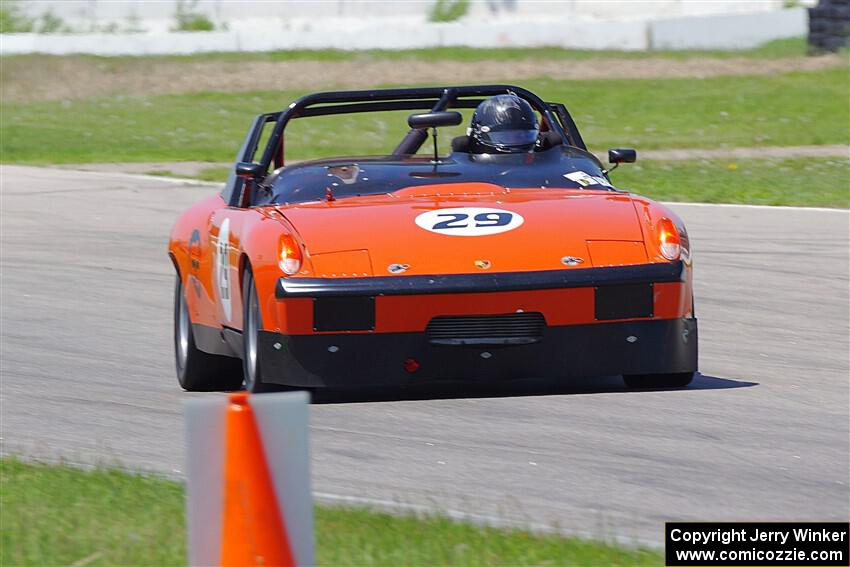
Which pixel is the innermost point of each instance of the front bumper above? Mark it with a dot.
(480, 283)
(600, 349)
(406, 304)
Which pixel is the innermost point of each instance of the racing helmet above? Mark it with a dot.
(504, 124)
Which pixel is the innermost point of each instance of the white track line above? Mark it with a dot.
(478, 519)
(188, 181)
(379, 504)
(765, 207)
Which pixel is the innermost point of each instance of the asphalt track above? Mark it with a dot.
(86, 367)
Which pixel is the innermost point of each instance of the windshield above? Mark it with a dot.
(561, 167)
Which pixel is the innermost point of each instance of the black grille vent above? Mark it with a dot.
(627, 301)
(508, 329)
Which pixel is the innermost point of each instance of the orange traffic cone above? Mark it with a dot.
(253, 530)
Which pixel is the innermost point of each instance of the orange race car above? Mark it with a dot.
(513, 256)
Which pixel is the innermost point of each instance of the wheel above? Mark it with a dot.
(198, 371)
(678, 380)
(252, 323)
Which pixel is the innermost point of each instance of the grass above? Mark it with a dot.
(189, 20)
(169, 173)
(812, 182)
(448, 10)
(771, 50)
(362, 537)
(212, 174)
(781, 48)
(808, 182)
(58, 515)
(788, 109)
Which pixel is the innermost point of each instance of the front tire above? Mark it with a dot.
(252, 323)
(677, 380)
(198, 371)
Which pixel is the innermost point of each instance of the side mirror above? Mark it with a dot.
(434, 119)
(248, 170)
(622, 155)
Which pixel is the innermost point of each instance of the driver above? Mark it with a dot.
(503, 124)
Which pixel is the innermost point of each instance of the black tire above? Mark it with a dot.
(251, 325)
(678, 380)
(198, 371)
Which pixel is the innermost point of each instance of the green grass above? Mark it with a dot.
(58, 515)
(781, 48)
(211, 174)
(808, 182)
(166, 173)
(811, 182)
(771, 50)
(789, 109)
(362, 537)
(448, 10)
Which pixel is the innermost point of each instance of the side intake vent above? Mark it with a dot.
(508, 329)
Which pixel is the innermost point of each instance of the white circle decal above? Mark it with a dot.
(469, 221)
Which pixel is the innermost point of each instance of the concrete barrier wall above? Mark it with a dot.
(710, 32)
(159, 16)
(731, 31)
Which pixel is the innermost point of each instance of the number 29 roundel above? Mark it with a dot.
(469, 221)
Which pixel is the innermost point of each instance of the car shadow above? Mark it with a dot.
(512, 388)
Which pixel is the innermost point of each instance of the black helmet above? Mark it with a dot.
(503, 124)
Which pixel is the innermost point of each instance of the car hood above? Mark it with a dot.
(467, 228)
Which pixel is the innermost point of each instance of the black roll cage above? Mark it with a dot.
(423, 98)
(434, 99)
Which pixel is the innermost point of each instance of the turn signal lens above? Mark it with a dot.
(290, 255)
(668, 239)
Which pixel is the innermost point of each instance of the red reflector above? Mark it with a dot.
(411, 365)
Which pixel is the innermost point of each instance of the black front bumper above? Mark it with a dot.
(601, 349)
(480, 283)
